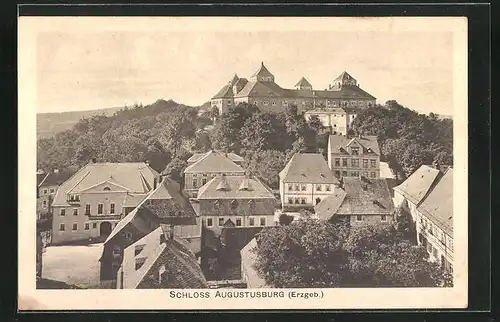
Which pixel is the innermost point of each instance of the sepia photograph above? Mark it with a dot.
(255, 160)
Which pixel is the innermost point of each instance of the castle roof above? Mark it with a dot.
(234, 80)
(303, 83)
(343, 76)
(225, 92)
(262, 71)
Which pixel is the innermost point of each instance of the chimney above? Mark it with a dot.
(56, 170)
(155, 182)
(147, 162)
(435, 164)
(93, 160)
(359, 135)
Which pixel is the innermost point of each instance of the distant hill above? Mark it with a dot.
(48, 124)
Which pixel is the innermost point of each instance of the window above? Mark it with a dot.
(251, 221)
(327, 187)
(195, 194)
(221, 221)
(429, 248)
(297, 201)
(290, 200)
(51, 190)
(87, 226)
(318, 187)
(303, 187)
(290, 187)
(61, 227)
(337, 173)
(372, 163)
(75, 227)
(296, 187)
(45, 204)
(195, 183)
(63, 212)
(128, 235)
(274, 103)
(355, 151)
(355, 173)
(238, 222)
(266, 103)
(373, 175)
(318, 200)
(365, 163)
(434, 252)
(75, 211)
(344, 173)
(337, 162)
(383, 218)
(203, 181)
(44, 191)
(365, 174)
(94, 225)
(355, 163)
(87, 209)
(359, 218)
(262, 221)
(100, 208)
(303, 201)
(112, 208)
(210, 222)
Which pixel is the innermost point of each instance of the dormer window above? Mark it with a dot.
(106, 188)
(355, 151)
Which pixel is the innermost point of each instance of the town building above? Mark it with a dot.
(47, 185)
(204, 167)
(92, 201)
(337, 120)
(160, 260)
(248, 272)
(411, 192)
(354, 156)
(360, 201)
(305, 181)
(235, 202)
(262, 91)
(164, 205)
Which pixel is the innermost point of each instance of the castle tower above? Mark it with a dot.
(303, 85)
(343, 79)
(262, 75)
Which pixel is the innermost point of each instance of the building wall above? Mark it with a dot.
(202, 178)
(371, 219)
(306, 194)
(439, 245)
(349, 168)
(94, 224)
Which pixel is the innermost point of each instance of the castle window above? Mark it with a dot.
(303, 201)
(303, 187)
(274, 103)
(290, 200)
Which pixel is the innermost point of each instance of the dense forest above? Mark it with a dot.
(166, 133)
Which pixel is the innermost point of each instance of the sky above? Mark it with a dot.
(94, 68)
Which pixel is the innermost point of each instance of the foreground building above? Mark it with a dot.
(305, 181)
(47, 186)
(166, 206)
(262, 91)
(354, 156)
(97, 197)
(205, 166)
(360, 201)
(235, 202)
(160, 260)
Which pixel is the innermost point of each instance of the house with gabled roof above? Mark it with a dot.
(360, 201)
(203, 167)
(160, 260)
(305, 181)
(262, 91)
(94, 199)
(165, 205)
(354, 156)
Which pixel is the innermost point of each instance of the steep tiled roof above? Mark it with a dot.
(303, 83)
(345, 92)
(418, 184)
(214, 162)
(181, 269)
(438, 205)
(40, 177)
(362, 197)
(231, 184)
(136, 177)
(248, 258)
(262, 71)
(225, 92)
(258, 89)
(234, 80)
(343, 76)
(307, 168)
(231, 156)
(342, 141)
(56, 178)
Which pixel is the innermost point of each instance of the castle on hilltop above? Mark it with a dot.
(262, 91)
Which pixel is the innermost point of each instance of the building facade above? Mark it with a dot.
(360, 201)
(261, 90)
(97, 197)
(235, 202)
(47, 185)
(305, 181)
(204, 167)
(337, 120)
(354, 156)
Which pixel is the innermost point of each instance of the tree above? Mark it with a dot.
(306, 253)
(257, 132)
(315, 124)
(266, 165)
(175, 169)
(404, 225)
